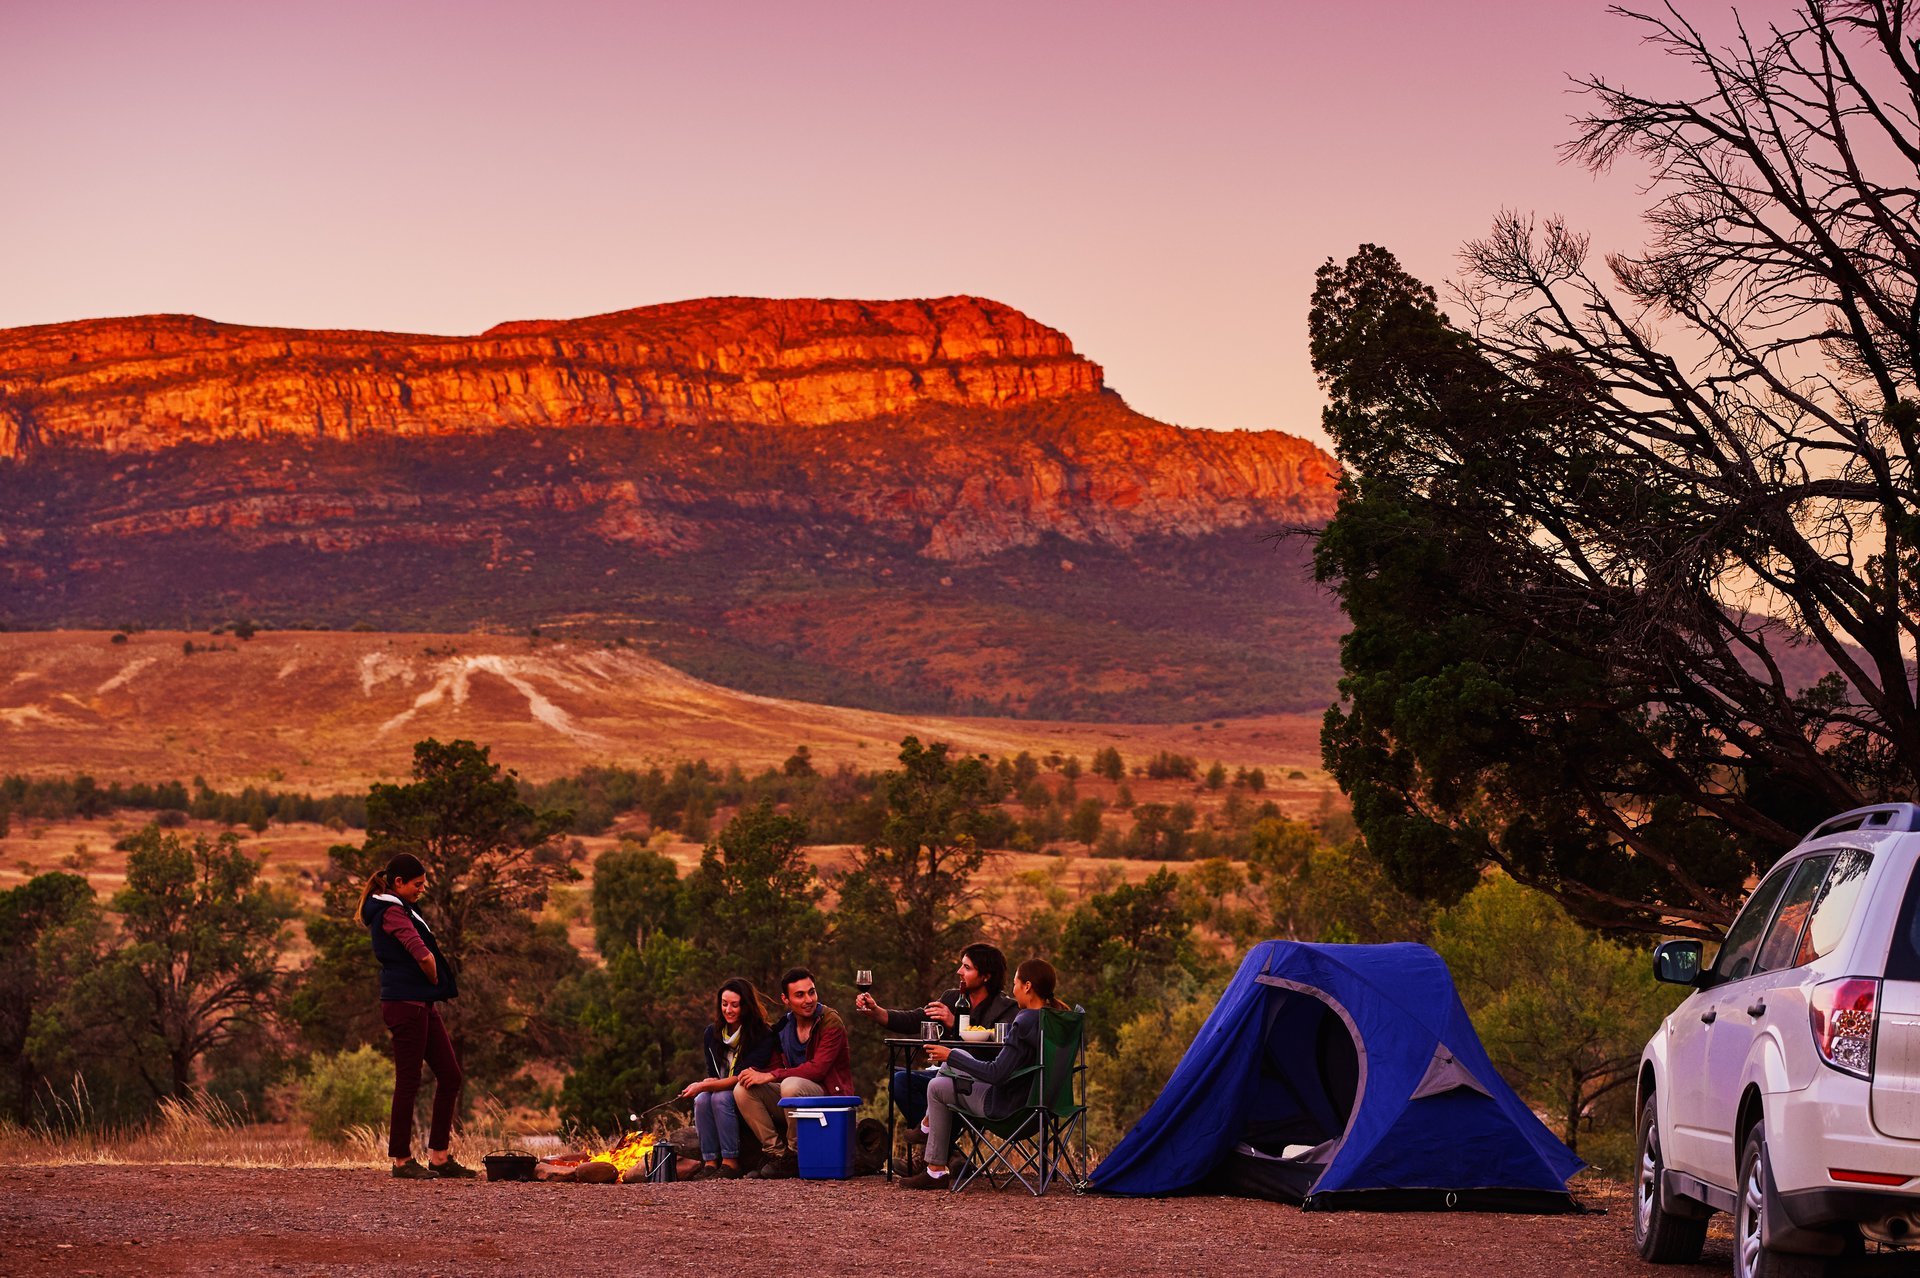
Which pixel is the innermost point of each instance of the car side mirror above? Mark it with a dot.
(1678, 962)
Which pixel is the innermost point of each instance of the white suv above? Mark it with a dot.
(1786, 1088)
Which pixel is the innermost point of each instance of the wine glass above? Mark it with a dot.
(863, 981)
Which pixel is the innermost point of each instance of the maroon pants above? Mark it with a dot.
(420, 1035)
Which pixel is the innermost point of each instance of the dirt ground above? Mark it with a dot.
(179, 1220)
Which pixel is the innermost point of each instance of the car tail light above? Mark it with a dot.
(1843, 1014)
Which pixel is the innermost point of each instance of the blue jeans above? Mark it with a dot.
(718, 1121)
(909, 1088)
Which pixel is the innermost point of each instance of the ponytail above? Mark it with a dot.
(1040, 975)
(404, 867)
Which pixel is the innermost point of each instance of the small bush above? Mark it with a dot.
(345, 1090)
(118, 637)
(1124, 1082)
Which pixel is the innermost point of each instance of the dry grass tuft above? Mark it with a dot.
(204, 1131)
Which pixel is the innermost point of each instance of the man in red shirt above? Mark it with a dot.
(813, 1060)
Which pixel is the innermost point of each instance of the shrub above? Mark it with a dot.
(1123, 1082)
(344, 1090)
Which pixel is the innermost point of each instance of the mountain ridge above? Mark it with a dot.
(146, 382)
(738, 482)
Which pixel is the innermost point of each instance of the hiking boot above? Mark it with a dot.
(723, 1172)
(921, 1180)
(412, 1169)
(453, 1169)
(780, 1167)
(917, 1136)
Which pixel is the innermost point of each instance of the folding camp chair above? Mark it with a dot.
(1046, 1139)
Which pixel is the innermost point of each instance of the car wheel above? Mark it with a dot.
(1660, 1236)
(1751, 1258)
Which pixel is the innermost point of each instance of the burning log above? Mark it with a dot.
(633, 1159)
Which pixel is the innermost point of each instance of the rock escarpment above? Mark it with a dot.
(899, 504)
(958, 423)
(153, 381)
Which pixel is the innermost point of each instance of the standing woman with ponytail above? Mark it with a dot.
(414, 978)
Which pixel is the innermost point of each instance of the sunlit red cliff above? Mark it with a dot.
(719, 468)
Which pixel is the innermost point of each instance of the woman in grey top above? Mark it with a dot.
(981, 1087)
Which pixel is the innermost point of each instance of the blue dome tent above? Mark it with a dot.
(1343, 1076)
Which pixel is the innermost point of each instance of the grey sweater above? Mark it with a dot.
(991, 1095)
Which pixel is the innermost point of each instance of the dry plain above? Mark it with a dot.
(331, 711)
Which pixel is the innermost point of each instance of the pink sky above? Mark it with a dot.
(1158, 180)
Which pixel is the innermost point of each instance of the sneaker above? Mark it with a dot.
(723, 1172)
(453, 1169)
(779, 1167)
(412, 1169)
(921, 1180)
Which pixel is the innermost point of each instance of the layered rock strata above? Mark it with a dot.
(959, 425)
(153, 381)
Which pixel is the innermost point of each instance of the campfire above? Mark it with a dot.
(634, 1157)
(634, 1150)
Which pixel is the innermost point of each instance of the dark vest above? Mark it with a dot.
(400, 976)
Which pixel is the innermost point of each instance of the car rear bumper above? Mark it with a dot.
(1827, 1126)
(1818, 1208)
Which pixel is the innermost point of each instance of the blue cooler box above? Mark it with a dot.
(825, 1134)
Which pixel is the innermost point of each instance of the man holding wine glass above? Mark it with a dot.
(981, 973)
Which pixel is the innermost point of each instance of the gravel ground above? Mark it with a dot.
(195, 1220)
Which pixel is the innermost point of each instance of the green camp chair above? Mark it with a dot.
(1045, 1140)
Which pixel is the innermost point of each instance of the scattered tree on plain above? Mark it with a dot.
(193, 969)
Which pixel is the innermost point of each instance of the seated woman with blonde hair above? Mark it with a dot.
(980, 1086)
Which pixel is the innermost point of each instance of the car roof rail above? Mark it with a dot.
(1889, 818)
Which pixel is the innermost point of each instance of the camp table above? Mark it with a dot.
(900, 1053)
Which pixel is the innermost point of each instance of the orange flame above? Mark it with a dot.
(632, 1151)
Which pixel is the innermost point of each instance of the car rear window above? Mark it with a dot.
(1903, 959)
(1833, 907)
